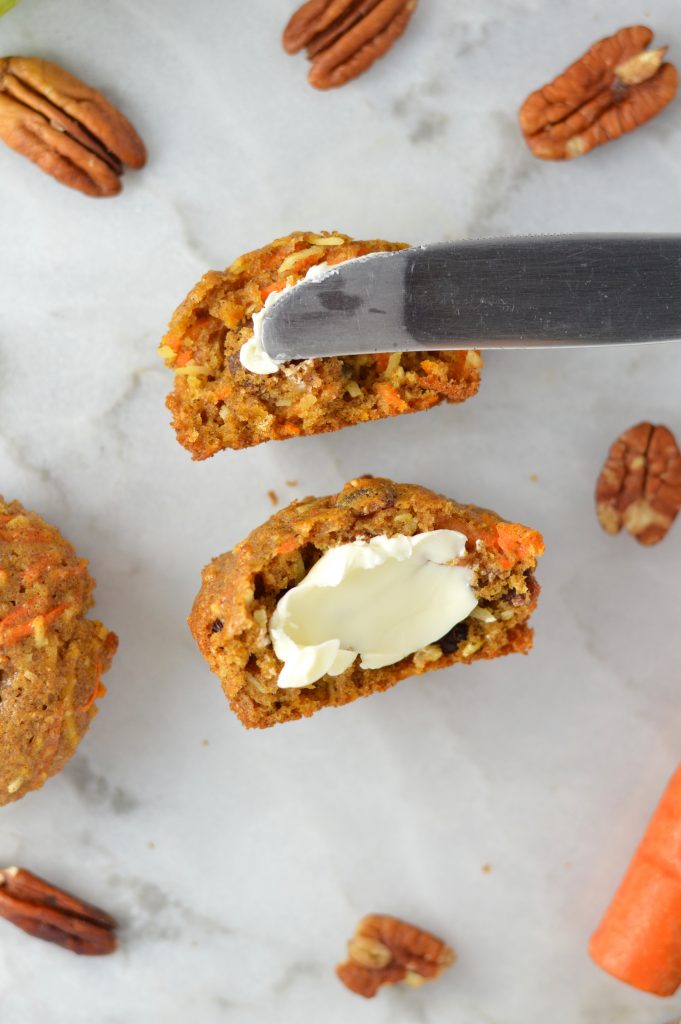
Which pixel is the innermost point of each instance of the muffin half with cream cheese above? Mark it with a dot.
(337, 598)
(229, 394)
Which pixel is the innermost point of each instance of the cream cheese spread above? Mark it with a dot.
(252, 353)
(379, 600)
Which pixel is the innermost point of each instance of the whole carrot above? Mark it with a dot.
(639, 939)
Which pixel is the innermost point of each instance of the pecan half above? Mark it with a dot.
(343, 38)
(640, 484)
(385, 951)
(41, 909)
(67, 128)
(615, 87)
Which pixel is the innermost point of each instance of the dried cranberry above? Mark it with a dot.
(450, 641)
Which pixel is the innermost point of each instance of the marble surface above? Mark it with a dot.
(239, 862)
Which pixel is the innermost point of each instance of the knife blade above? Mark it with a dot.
(523, 292)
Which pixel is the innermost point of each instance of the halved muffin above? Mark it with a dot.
(51, 657)
(339, 597)
(224, 398)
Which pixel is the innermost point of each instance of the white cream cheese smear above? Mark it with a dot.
(252, 354)
(378, 600)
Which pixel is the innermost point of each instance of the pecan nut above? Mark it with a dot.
(343, 38)
(64, 126)
(35, 906)
(615, 87)
(640, 485)
(385, 951)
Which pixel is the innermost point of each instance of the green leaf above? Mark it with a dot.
(7, 5)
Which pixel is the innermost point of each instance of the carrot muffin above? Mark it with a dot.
(337, 598)
(51, 657)
(229, 395)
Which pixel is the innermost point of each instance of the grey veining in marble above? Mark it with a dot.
(239, 862)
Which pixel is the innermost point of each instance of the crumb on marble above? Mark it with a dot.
(273, 496)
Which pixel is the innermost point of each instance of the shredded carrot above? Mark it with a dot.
(172, 341)
(46, 567)
(221, 393)
(276, 286)
(34, 571)
(21, 611)
(516, 542)
(356, 250)
(302, 264)
(64, 572)
(381, 361)
(390, 396)
(445, 386)
(639, 939)
(32, 536)
(13, 636)
(54, 613)
(287, 546)
(290, 429)
(98, 690)
(271, 259)
(184, 358)
(24, 629)
(201, 321)
(110, 644)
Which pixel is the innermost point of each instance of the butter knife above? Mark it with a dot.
(550, 291)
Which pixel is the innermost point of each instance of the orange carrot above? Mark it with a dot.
(290, 429)
(382, 360)
(20, 632)
(287, 546)
(34, 536)
(639, 939)
(172, 341)
(276, 286)
(37, 569)
(390, 396)
(19, 612)
(184, 358)
(63, 572)
(11, 634)
(98, 690)
(303, 264)
(196, 328)
(221, 393)
(272, 259)
(516, 542)
(355, 250)
(46, 567)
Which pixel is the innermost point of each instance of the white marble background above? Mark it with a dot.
(239, 862)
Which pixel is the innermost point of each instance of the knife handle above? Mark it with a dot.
(545, 291)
